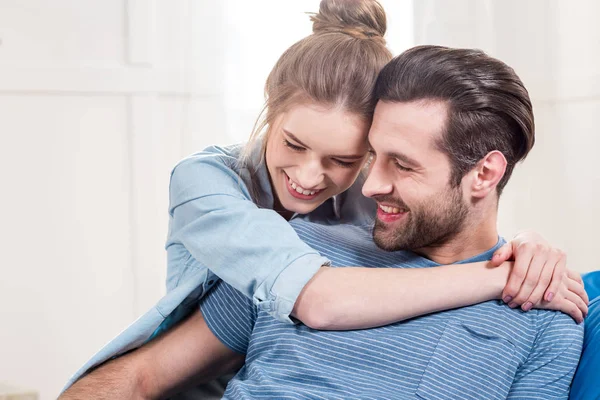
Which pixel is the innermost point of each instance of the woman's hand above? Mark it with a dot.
(570, 298)
(539, 275)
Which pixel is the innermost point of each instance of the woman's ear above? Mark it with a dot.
(488, 173)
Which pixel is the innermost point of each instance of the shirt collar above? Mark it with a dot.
(485, 256)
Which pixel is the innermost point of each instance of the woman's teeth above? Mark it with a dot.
(300, 190)
(391, 210)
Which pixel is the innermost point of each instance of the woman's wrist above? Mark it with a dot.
(499, 277)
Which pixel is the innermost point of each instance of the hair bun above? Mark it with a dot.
(362, 19)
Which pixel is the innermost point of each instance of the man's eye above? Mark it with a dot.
(402, 167)
(292, 146)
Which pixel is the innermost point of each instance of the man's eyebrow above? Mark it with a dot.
(347, 156)
(404, 158)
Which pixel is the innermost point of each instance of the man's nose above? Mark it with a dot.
(311, 175)
(378, 182)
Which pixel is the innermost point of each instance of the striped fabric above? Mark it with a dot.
(486, 351)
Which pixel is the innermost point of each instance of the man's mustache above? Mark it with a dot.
(391, 201)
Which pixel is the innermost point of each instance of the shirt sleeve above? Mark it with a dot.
(253, 249)
(230, 316)
(548, 371)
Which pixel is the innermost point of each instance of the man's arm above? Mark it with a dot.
(549, 369)
(187, 354)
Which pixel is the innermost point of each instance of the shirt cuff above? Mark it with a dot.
(286, 288)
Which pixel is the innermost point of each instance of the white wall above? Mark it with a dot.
(98, 100)
(554, 46)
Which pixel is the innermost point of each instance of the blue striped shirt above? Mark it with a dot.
(486, 351)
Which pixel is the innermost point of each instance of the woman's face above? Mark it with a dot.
(314, 153)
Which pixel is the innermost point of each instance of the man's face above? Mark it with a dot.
(409, 178)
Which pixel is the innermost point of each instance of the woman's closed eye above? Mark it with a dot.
(341, 163)
(292, 145)
(344, 164)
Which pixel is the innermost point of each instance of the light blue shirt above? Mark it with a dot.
(218, 230)
(482, 352)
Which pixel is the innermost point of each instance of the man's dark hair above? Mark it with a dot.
(488, 106)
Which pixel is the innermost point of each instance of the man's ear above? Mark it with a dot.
(487, 173)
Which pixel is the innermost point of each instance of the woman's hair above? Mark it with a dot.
(336, 66)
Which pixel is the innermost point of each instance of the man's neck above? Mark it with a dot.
(475, 238)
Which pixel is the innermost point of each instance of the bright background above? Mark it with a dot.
(99, 99)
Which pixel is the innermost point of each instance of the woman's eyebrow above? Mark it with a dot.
(291, 135)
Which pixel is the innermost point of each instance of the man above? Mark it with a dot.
(448, 130)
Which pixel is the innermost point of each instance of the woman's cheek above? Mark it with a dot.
(284, 155)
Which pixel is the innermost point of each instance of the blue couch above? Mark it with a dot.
(586, 384)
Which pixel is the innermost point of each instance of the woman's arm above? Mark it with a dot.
(258, 253)
(354, 298)
(360, 298)
(253, 249)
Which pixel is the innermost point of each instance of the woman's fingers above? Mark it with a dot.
(523, 257)
(578, 307)
(576, 286)
(503, 254)
(570, 299)
(558, 275)
(574, 275)
(540, 277)
(545, 280)
(531, 281)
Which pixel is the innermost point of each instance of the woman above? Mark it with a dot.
(229, 206)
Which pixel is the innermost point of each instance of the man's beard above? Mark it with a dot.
(433, 222)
